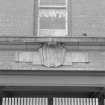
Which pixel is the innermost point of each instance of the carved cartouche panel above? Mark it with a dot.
(52, 55)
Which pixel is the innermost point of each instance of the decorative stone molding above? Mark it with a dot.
(81, 41)
(52, 55)
(49, 55)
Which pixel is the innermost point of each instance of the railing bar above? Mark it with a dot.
(44, 101)
(97, 101)
(74, 101)
(77, 101)
(66, 101)
(3, 101)
(80, 101)
(40, 101)
(59, 101)
(36, 101)
(7, 101)
(12, 100)
(17, 100)
(83, 101)
(20, 101)
(25, 101)
(69, 101)
(86, 101)
(32, 101)
(28, 100)
(89, 101)
(93, 101)
(10, 103)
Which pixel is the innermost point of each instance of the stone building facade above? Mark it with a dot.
(52, 52)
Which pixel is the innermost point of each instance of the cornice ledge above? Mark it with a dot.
(52, 72)
(85, 41)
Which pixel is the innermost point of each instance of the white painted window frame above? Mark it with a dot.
(53, 6)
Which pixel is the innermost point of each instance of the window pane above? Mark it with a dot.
(52, 2)
(52, 21)
(52, 33)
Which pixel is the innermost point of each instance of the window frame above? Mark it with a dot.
(68, 20)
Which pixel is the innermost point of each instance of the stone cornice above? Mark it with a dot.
(53, 72)
(85, 41)
(34, 43)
